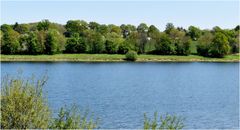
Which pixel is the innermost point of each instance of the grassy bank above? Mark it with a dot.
(116, 58)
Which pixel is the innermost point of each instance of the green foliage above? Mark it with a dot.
(5, 28)
(95, 42)
(54, 42)
(127, 29)
(237, 28)
(94, 25)
(76, 26)
(33, 46)
(132, 41)
(153, 32)
(142, 28)
(167, 122)
(75, 44)
(220, 46)
(9, 41)
(72, 118)
(59, 27)
(233, 38)
(169, 27)
(183, 47)
(124, 47)
(23, 104)
(204, 43)
(103, 29)
(216, 29)
(216, 45)
(235, 44)
(194, 32)
(114, 29)
(41, 38)
(43, 25)
(181, 41)
(21, 28)
(164, 45)
(131, 56)
(113, 40)
(83, 37)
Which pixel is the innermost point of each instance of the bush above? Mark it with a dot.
(166, 122)
(23, 104)
(131, 56)
(70, 118)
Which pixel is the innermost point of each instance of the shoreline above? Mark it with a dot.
(113, 58)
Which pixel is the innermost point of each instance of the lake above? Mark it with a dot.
(205, 94)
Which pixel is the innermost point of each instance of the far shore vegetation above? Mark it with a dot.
(24, 106)
(115, 58)
(83, 40)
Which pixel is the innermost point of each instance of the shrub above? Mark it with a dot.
(131, 56)
(71, 118)
(166, 122)
(23, 104)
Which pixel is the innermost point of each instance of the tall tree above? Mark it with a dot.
(94, 25)
(169, 27)
(33, 46)
(142, 28)
(153, 32)
(127, 29)
(115, 29)
(164, 45)
(21, 28)
(95, 42)
(113, 40)
(43, 25)
(103, 29)
(183, 46)
(194, 32)
(54, 42)
(9, 41)
(76, 26)
(75, 44)
(220, 46)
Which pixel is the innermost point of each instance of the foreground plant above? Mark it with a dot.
(24, 106)
(71, 118)
(167, 122)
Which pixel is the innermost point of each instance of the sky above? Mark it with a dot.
(203, 14)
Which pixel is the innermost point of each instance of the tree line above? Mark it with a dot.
(79, 36)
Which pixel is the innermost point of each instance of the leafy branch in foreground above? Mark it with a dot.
(167, 122)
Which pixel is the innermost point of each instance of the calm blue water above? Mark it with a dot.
(206, 94)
